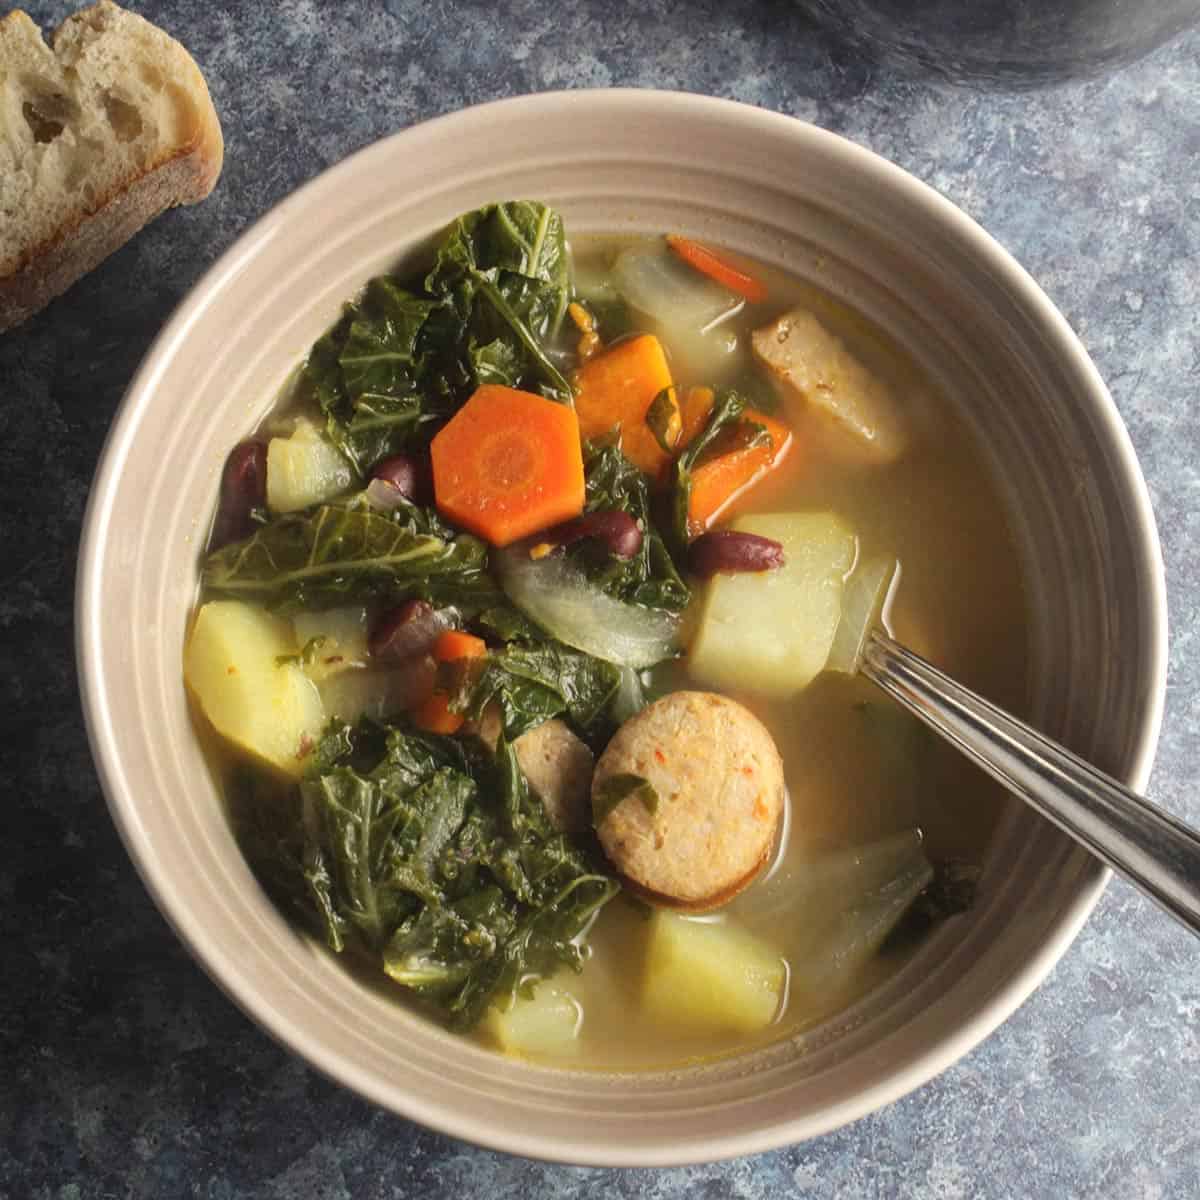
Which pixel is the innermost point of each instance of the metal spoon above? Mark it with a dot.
(1149, 847)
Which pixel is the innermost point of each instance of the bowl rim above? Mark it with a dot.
(616, 104)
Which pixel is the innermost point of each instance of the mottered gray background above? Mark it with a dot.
(126, 1073)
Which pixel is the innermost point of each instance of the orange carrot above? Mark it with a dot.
(616, 388)
(697, 408)
(508, 464)
(434, 716)
(454, 644)
(709, 263)
(719, 481)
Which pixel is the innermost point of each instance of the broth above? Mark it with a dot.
(857, 771)
(938, 511)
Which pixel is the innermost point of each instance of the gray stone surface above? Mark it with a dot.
(127, 1073)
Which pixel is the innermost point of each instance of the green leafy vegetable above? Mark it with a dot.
(336, 553)
(619, 787)
(504, 271)
(649, 579)
(432, 857)
(728, 407)
(306, 657)
(951, 891)
(366, 374)
(663, 419)
(532, 683)
(404, 357)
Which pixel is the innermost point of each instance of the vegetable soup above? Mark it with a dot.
(527, 640)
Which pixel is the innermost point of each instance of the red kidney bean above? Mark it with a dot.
(408, 475)
(726, 551)
(412, 681)
(243, 489)
(411, 629)
(617, 530)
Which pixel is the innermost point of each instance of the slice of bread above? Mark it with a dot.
(97, 136)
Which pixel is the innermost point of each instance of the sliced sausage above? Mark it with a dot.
(558, 768)
(719, 793)
(556, 765)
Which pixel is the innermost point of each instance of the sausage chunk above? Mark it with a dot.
(718, 779)
(556, 765)
(558, 768)
(810, 363)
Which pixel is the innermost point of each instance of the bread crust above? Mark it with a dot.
(47, 269)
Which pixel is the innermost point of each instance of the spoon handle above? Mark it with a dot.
(1149, 847)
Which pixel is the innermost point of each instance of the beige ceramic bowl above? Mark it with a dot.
(772, 187)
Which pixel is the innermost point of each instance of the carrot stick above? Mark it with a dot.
(508, 464)
(722, 479)
(454, 644)
(709, 263)
(615, 389)
(434, 716)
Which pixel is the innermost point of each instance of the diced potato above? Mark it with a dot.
(378, 693)
(704, 977)
(344, 644)
(544, 1026)
(770, 632)
(269, 709)
(304, 469)
(812, 366)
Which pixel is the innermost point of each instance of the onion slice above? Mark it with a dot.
(863, 600)
(657, 283)
(555, 593)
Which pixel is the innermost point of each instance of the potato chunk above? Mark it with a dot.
(710, 978)
(304, 469)
(770, 632)
(811, 365)
(343, 640)
(545, 1025)
(269, 709)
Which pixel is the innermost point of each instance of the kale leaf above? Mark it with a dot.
(404, 358)
(650, 578)
(335, 554)
(951, 891)
(504, 271)
(366, 374)
(532, 683)
(727, 409)
(430, 854)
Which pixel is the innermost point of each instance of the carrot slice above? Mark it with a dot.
(721, 480)
(434, 716)
(454, 644)
(615, 390)
(508, 464)
(709, 262)
(697, 408)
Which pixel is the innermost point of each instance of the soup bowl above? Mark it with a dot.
(829, 213)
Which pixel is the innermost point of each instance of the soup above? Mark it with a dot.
(526, 645)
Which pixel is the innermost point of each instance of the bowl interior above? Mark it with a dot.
(827, 212)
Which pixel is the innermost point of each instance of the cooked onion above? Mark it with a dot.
(556, 594)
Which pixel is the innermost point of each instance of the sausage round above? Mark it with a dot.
(718, 778)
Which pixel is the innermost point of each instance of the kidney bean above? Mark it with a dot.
(617, 530)
(243, 489)
(411, 629)
(407, 474)
(726, 551)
